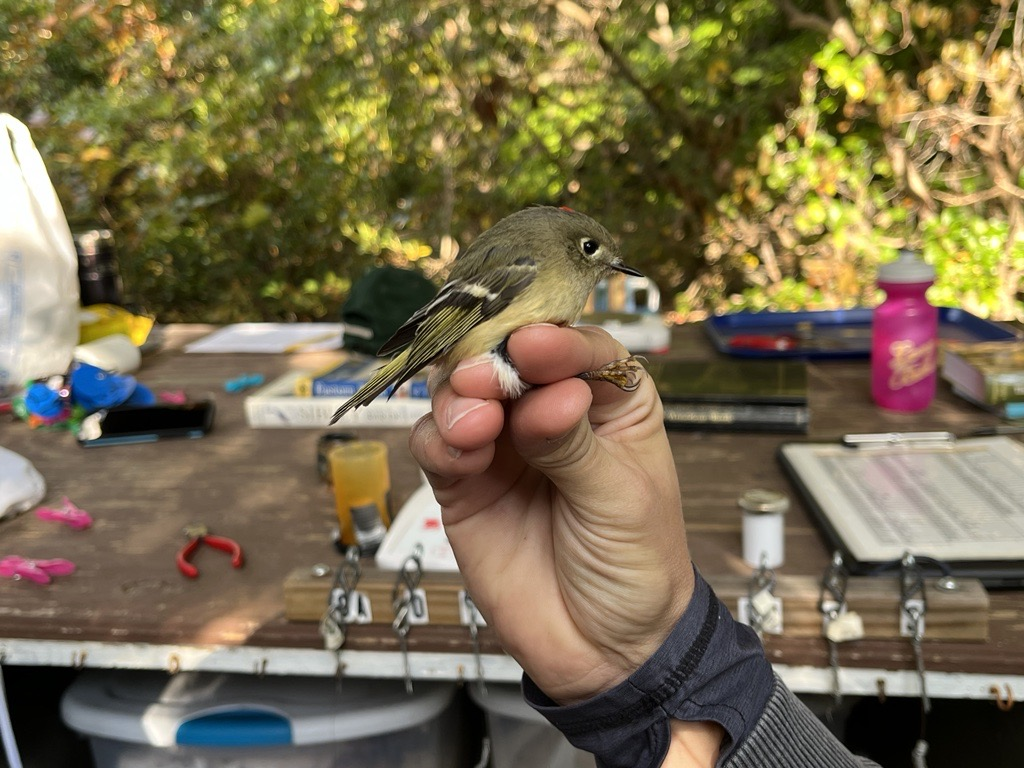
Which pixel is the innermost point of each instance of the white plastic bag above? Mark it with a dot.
(21, 485)
(38, 266)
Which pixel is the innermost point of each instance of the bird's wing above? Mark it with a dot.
(460, 305)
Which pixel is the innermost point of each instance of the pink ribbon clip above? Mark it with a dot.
(39, 571)
(66, 513)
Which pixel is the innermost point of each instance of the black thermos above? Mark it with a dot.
(99, 281)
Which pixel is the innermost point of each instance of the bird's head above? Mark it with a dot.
(574, 239)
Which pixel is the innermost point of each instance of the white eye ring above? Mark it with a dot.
(589, 246)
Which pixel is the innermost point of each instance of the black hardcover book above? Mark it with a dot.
(735, 395)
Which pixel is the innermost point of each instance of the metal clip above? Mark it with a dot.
(913, 607)
(761, 608)
(470, 614)
(340, 600)
(832, 605)
(404, 599)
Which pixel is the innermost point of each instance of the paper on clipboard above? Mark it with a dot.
(961, 501)
(271, 338)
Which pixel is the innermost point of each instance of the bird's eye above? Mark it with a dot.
(589, 247)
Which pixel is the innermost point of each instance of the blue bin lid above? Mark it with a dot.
(237, 728)
(219, 709)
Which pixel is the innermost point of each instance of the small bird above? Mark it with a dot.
(536, 266)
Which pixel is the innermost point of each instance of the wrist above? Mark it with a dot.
(610, 661)
(693, 744)
(710, 669)
(629, 649)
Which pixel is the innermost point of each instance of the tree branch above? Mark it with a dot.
(838, 26)
(669, 120)
(990, 47)
(959, 201)
(954, 114)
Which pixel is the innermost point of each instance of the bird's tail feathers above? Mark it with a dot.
(394, 372)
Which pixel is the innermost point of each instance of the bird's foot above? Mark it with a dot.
(626, 374)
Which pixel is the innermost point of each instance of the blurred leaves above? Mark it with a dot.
(909, 133)
(255, 156)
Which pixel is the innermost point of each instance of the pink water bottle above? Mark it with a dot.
(904, 336)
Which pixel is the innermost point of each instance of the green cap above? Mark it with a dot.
(379, 303)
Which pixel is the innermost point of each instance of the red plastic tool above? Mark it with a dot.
(779, 343)
(200, 534)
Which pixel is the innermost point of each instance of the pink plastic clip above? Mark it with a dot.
(39, 571)
(66, 513)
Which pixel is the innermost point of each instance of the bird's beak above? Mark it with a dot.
(620, 267)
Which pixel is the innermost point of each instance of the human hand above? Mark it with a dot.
(563, 509)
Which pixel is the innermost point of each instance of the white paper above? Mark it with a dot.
(963, 501)
(274, 338)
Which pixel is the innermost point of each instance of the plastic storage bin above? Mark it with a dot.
(520, 736)
(139, 719)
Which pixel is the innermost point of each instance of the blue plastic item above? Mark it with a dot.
(832, 334)
(93, 388)
(244, 381)
(43, 402)
(237, 728)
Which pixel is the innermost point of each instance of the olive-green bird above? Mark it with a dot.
(536, 266)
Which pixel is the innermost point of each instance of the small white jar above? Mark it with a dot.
(764, 515)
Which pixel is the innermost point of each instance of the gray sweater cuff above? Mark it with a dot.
(788, 735)
(709, 668)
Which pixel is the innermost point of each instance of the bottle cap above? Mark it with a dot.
(907, 268)
(761, 501)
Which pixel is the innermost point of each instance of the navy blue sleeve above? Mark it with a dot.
(710, 667)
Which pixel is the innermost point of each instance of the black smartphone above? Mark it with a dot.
(146, 423)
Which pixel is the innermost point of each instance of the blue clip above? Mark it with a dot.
(245, 381)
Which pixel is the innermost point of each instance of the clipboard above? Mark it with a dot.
(877, 496)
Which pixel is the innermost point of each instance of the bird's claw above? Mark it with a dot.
(626, 374)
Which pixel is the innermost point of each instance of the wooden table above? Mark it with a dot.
(128, 606)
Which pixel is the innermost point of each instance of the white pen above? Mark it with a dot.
(884, 439)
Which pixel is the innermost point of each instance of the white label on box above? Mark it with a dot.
(468, 612)
(418, 613)
(359, 609)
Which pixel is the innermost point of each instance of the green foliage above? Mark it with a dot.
(970, 254)
(255, 156)
(908, 134)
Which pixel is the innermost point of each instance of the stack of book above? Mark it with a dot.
(989, 374)
(720, 395)
(310, 398)
(733, 394)
(343, 378)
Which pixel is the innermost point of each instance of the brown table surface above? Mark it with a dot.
(260, 486)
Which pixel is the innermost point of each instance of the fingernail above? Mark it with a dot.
(454, 452)
(460, 407)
